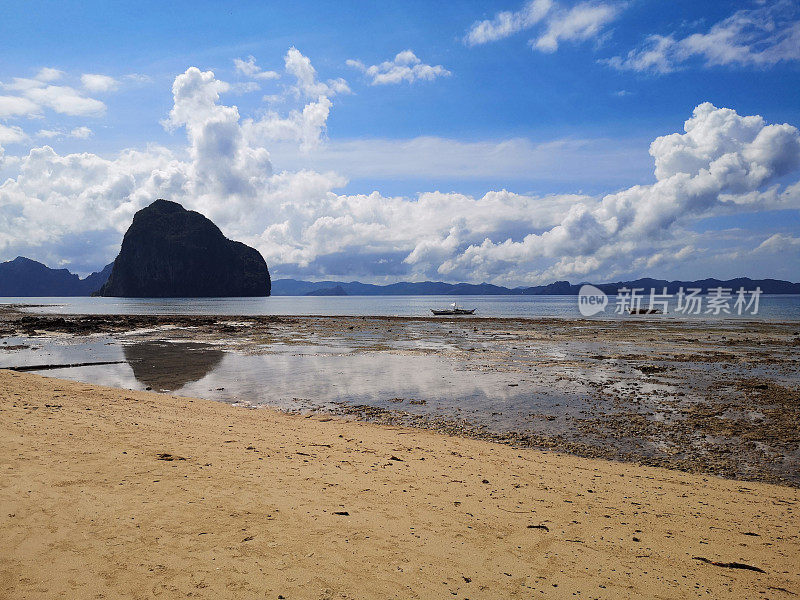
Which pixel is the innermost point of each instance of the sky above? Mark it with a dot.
(511, 142)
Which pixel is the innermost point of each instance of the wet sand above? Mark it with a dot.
(110, 493)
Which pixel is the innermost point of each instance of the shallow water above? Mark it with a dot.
(785, 307)
(291, 377)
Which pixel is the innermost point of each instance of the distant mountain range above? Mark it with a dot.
(294, 287)
(25, 277)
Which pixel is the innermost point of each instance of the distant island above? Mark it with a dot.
(336, 290)
(24, 277)
(295, 287)
(171, 252)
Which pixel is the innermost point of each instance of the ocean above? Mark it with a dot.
(771, 307)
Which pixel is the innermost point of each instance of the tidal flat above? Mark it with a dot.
(720, 397)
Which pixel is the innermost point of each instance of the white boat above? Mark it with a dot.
(454, 309)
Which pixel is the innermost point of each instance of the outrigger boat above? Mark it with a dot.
(645, 311)
(454, 310)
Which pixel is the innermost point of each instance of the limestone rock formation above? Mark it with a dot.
(171, 252)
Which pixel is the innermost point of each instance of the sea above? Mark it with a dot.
(770, 307)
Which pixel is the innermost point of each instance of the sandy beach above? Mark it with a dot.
(109, 493)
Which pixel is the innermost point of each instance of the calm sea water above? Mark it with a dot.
(771, 308)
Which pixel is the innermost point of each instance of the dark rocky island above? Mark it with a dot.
(171, 252)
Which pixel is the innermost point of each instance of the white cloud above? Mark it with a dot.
(23, 84)
(582, 22)
(779, 243)
(249, 68)
(760, 37)
(404, 67)
(307, 83)
(81, 132)
(50, 133)
(719, 164)
(65, 100)
(38, 93)
(11, 134)
(139, 78)
(75, 207)
(578, 23)
(222, 163)
(652, 56)
(48, 74)
(11, 106)
(508, 23)
(98, 83)
(306, 126)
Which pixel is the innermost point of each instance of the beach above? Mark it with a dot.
(213, 456)
(112, 493)
(714, 398)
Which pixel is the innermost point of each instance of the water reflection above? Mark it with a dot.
(167, 366)
(292, 377)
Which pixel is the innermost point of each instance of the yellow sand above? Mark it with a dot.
(88, 510)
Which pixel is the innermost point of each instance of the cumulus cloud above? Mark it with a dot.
(305, 124)
(225, 172)
(307, 83)
(557, 24)
(720, 163)
(12, 106)
(66, 100)
(404, 67)
(760, 37)
(94, 82)
(48, 74)
(75, 207)
(249, 68)
(82, 132)
(222, 163)
(37, 93)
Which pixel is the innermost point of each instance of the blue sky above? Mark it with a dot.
(553, 103)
